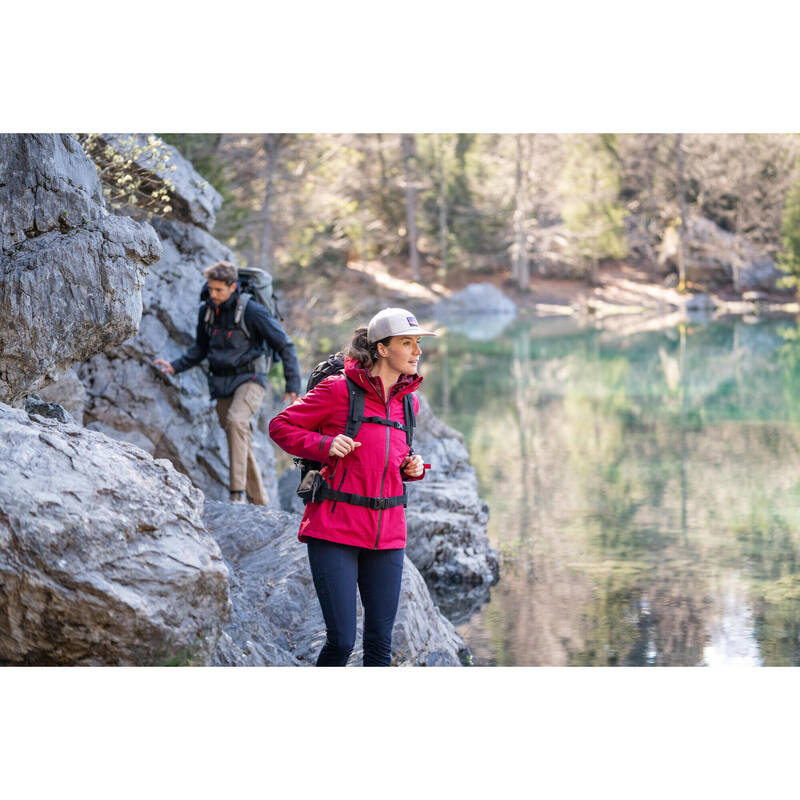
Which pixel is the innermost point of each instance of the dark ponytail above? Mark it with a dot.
(362, 351)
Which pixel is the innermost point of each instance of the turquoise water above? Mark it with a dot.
(644, 490)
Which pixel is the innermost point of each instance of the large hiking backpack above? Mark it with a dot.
(253, 284)
(312, 486)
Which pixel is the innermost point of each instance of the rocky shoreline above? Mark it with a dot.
(108, 552)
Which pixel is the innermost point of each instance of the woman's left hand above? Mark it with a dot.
(413, 466)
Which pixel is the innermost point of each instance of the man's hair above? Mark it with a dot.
(222, 271)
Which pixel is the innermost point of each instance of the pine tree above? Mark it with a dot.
(592, 209)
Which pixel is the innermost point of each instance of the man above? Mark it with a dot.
(237, 379)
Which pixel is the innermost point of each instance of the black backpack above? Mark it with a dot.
(312, 486)
(253, 284)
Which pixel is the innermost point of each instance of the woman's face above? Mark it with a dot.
(402, 354)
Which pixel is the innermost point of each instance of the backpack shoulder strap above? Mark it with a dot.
(410, 418)
(355, 412)
(207, 317)
(238, 315)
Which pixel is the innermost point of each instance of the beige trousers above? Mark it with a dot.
(234, 414)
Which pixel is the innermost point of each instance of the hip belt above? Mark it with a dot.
(314, 489)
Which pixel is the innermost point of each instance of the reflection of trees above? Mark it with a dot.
(628, 482)
(777, 616)
(526, 399)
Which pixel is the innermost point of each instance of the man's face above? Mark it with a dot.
(219, 291)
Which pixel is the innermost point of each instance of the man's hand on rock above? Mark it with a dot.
(289, 397)
(164, 366)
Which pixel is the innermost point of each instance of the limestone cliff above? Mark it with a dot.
(70, 272)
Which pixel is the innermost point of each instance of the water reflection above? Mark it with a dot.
(645, 490)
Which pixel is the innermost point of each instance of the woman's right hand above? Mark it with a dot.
(342, 445)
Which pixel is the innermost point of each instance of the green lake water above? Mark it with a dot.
(644, 490)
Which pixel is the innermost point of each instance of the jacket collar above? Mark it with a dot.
(404, 385)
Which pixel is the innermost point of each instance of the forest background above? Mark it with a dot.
(519, 206)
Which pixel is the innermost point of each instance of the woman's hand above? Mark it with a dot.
(413, 466)
(341, 446)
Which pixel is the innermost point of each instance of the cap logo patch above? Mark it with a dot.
(412, 322)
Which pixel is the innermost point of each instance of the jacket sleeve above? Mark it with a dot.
(198, 351)
(405, 477)
(261, 322)
(295, 428)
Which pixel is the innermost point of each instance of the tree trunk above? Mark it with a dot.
(517, 217)
(442, 213)
(737, 228)
(384, 183)
(409, 154)
(520, 266)
(364, 172)
(271, 146)
(683, 233)
(524, 265)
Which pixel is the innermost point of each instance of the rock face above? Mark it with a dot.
(447, 539)
(287, 491)
(104, 558)
(276, 618)
(172, 417)
(193, 199)
(70, 273)
(714, 256)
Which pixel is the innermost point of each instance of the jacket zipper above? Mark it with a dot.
(385, 468)
(383, 480)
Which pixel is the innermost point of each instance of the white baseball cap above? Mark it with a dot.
(394, 322)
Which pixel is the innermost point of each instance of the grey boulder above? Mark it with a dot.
(479, 312)
(104, 558)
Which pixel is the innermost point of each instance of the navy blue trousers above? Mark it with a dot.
(337, 569)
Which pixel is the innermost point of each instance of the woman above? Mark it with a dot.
(351, 544)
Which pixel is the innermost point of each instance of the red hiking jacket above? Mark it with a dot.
(306, 428)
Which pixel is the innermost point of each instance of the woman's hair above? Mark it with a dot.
(222, 271)
(364, 352)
